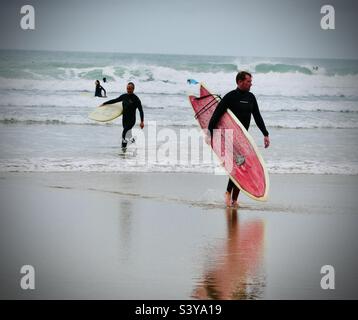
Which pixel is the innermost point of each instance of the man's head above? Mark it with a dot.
(130, 87)
(244, 80)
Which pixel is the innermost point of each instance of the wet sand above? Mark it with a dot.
(169, 236)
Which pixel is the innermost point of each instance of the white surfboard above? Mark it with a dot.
(107, 113)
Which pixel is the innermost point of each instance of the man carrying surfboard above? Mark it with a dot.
(243, 104)
(131, 103)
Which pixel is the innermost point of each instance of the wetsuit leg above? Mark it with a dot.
(128, 124)
(127, 133)
(230, 185)
(235, 193)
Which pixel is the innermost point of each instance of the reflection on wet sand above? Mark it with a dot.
(125, 227)
(237, 268)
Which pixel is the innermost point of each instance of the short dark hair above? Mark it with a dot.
(242, 75)
(131, 83)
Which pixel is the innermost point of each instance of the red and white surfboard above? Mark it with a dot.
(233, 145)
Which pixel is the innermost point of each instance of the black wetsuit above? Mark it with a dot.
(243, 104)
(98, 91)
(130, 104)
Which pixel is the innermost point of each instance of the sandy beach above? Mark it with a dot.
(169, 236)
(131, 208)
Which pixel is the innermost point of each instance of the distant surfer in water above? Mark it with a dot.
(99, 89)
(130, 104)
(243, 104)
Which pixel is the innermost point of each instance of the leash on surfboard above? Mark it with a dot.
(209, 105)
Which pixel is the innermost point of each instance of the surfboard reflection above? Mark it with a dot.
(237, 271)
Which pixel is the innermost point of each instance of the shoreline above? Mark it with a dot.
(119, 236)
(287, 191)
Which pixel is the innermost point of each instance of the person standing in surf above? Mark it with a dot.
(243, 104)
(131, 103)
(99, 89)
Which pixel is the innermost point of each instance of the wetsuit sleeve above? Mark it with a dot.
(258, 119)
(219, 111)
(105, 93)
(140, 108)
(120, 98)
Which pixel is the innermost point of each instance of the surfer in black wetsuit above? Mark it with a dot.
(130, 104)
(243, 104)
(98, 90)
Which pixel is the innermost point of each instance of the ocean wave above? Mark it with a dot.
(315, 110)
(171, 82)
(48, 122)
(312, 167)
(282, 68)
(175, 124)
(86, 121)
(159, 68)
(312, 126)
(117, 164)
(210, 67)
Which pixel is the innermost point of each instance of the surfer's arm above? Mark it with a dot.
(258, 118)
(141, 113)
(105, 93)
(140, 108)
(218, 113)
(120, 98)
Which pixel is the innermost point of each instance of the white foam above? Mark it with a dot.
(160, 79)
(116, 164)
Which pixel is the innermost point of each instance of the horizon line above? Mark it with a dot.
(176, 54)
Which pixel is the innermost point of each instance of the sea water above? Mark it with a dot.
(310, 107)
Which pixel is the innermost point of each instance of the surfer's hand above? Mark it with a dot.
(141, 125)
(266, 141)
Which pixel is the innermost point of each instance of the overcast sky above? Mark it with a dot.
(274, 28)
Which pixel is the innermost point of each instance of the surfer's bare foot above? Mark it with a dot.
(235, 204)
(228, 199)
